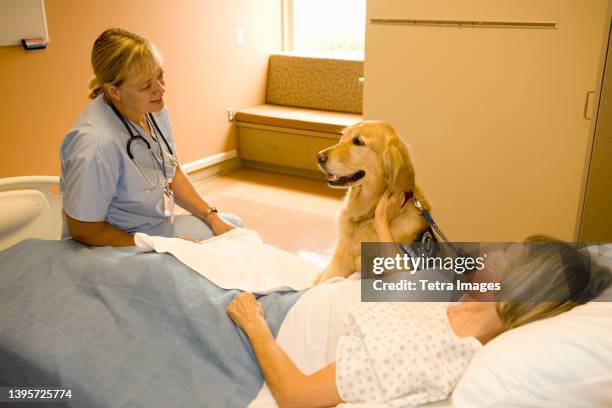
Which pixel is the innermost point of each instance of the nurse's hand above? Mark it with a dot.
(219, 225)
(190, 239)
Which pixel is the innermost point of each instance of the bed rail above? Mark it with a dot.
(30, 207)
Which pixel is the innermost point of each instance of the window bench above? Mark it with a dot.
(309, 102)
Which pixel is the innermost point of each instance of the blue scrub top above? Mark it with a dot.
(100, 182)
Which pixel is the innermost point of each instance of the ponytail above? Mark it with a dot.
(95, 88)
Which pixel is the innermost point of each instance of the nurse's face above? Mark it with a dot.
(141, 92)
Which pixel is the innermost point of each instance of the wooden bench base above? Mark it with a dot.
(288, 138)
(285, 147)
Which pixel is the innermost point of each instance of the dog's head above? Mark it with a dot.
(369, 153)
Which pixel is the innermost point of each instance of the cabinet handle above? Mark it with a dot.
(271, 147)
(588, 106)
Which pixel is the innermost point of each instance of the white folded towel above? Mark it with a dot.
(238, 259)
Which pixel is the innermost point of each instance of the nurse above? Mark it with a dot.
(119, 172)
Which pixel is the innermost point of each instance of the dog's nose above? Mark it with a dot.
(321, 157)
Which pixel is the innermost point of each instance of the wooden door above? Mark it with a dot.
(597, 217)
(493, 116)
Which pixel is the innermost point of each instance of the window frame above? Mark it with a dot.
(287, 43)
(287, 25)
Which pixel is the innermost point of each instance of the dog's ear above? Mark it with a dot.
(399, 172)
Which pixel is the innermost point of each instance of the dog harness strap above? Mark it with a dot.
(410, 196)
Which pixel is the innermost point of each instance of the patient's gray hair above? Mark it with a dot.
(547, 278)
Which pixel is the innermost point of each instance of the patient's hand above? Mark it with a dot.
(388, 207)
(244, 310)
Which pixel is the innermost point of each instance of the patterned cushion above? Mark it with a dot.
(317, 83)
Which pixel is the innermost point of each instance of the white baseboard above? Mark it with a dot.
(208, 161)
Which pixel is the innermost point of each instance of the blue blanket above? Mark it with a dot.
(122, 328)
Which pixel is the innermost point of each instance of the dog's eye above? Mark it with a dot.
(357, 141)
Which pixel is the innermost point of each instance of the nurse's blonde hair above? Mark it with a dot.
(549, 277)
(114, 53)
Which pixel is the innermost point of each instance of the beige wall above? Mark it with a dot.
(494, 116)
(207, 71)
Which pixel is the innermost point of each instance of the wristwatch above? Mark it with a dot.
(211, 209)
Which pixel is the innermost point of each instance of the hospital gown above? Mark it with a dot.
(400, 354)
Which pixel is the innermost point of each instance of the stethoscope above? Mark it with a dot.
(159, 167)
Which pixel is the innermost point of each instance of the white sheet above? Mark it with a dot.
(238, 259)
(310, 332)
(312, 327)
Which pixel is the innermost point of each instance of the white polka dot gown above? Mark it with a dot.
(400, 354)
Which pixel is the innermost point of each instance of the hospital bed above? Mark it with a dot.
(30, 207)
(116, 326)
(72, 317)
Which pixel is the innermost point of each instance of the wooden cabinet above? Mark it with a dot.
(284, 149)
(273, 147)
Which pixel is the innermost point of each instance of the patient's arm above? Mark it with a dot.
(290, 387)
(341, 263)
(388, 203)
(98, 233)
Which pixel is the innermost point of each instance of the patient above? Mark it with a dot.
(414, 353)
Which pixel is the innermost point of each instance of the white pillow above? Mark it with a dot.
(564, 361)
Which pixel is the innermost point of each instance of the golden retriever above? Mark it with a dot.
(369, 159)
